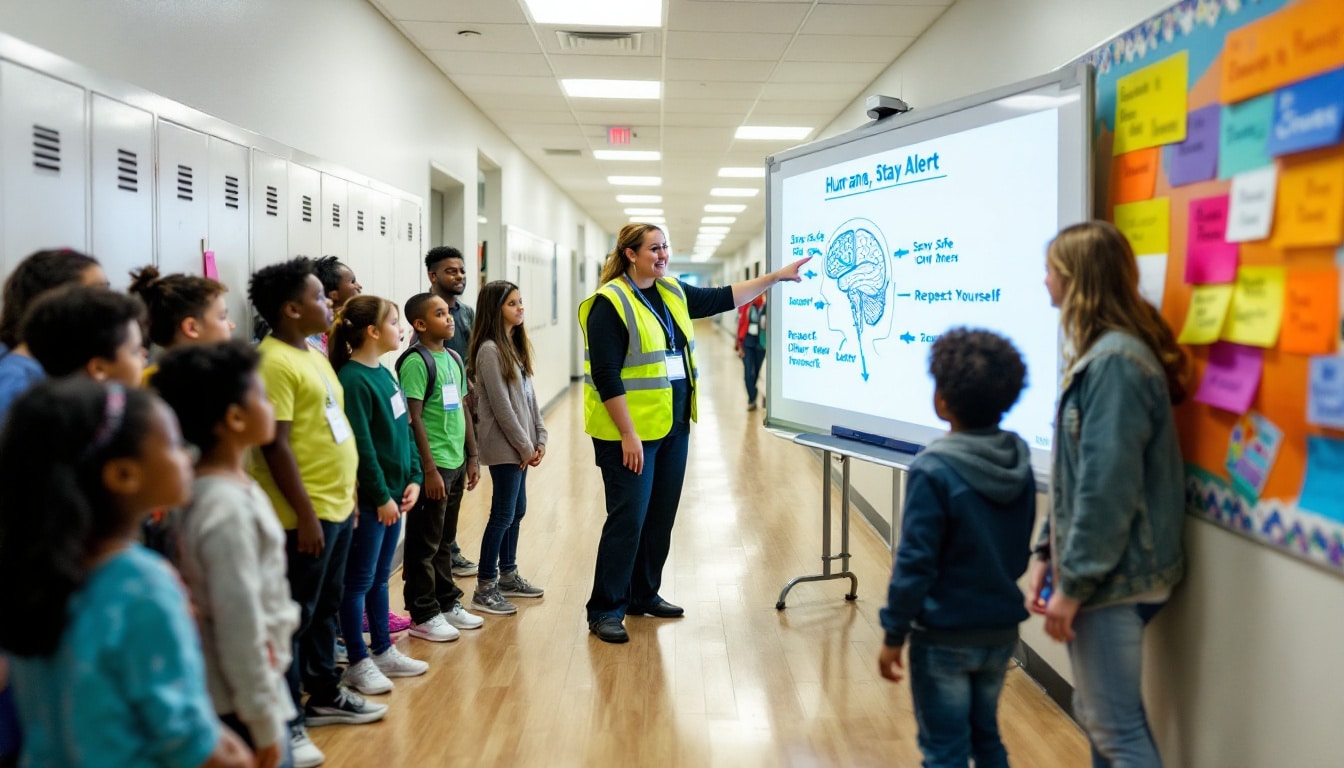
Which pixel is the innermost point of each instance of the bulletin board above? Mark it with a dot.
(1218, 153)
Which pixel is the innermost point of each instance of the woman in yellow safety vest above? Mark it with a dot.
(639, 400)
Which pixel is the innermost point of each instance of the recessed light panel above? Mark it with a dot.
(597, 13)
(733, 192)
(583, 88)
(724, 208)
(628, 199)
(718, 219)
(635, 181)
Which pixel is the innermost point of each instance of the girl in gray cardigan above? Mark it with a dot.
(510, 436)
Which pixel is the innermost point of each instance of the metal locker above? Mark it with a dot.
(270, 211)
(121, 187)
(408, 274)
(44, 153)
(335, 218)
(378, 227)
(356, 221)
(305, 209)
(229, 203)
(184, 215)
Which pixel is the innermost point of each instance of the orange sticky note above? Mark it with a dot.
(1311, 312)
(1304, 39)
(1134, 175)
(1309, 208)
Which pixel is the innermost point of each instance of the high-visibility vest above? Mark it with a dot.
(648, 392)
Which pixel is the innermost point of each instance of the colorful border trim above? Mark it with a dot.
(1272, 521)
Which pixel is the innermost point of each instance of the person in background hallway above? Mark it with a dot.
(1111, 549)
(751, 343)
(639, 400)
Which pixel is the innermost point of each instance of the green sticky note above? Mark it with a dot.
(1243, 136)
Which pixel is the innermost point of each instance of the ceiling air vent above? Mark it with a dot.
(554, 152)
(600, 42)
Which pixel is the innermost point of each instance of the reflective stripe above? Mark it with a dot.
(644, 358)
(674, 287)
(636, 343)
(637, 385)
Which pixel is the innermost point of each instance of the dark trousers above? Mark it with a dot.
(499, 543)
(317, 584)
(366, 574)
(753, 356)
(638, 532)
(427, 566)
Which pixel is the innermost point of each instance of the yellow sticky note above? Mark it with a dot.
(1208, 310)
(1147, 225)
(1257, 306)
(1150, 105)
(1310, 203)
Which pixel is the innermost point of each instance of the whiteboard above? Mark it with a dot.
(916, 224)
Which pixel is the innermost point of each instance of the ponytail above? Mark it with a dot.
(357, 315)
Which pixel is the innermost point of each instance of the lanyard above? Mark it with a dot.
(665, 320)
(331, 393)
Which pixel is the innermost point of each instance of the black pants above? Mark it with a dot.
(753, 355)
(317, 585)
(427, 554)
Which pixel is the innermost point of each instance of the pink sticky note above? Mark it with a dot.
(211, 271)
(1232, 376)
(1209, 258)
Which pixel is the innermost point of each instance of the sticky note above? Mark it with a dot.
(1209, 258)
(1302, 40)
(1251, 212)
(1243, 136)
(1153, 278)
(1134, 175)
(1150, 105)
(1325, 392)
(1146, 224)
(1311, 312)
(1196, 158)
(1251, 453)
(1257, 307)
(1324, 478)
(1308, 115)
(1208, 310)
(1310, 207)
(1231, 377)
(211, 269)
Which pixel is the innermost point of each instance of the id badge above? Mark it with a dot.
(340, 428)
(398, 404)
(676, 367)
(451, 399)
(753, 329)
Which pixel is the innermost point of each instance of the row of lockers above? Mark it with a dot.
(86, 171)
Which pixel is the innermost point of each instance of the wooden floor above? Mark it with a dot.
(734, 683)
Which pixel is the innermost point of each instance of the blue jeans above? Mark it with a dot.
(316, 584)
(366, 572)
(1107, 657)
(956, 695)
(499, 543)
(753, 355)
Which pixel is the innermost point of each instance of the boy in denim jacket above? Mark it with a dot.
(970, 504)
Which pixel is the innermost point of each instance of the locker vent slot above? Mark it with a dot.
(272, 201)
(307, 208)
(336, 215)
(46, 148)
(382, 226)
(231, 192)
(359, 220)
(185, 182)
(410, 231)
(128, 170)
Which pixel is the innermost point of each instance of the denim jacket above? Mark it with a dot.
(1118, 499)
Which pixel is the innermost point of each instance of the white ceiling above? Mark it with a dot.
(722, 63)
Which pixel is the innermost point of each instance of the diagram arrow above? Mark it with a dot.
(820, 304)
(841, 348)
(906, 337)
(813, 252)
(809, 274)
(900, 252)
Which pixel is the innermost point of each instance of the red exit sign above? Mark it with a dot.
(617, 135)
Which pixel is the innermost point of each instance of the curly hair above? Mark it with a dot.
(328, 269)
(171, 299)
(441, 253)
(201, 381)
(68, 327)
(33, 277)
(271, 287)
(979, 375)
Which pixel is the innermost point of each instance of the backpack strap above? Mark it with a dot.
(431, 368)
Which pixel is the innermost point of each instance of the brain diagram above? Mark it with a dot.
(857, 261)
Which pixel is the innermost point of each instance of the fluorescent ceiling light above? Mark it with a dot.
(741, 173)
(733, 192)
(584, 88)
(639, 199)
(597, 13)
(723, 208)
(771, 133)
(632, 155)
(701, 258)
(709, 239)
(715, 230)
(643, 211)
(647, 220)
(635, 181)
(718, 219)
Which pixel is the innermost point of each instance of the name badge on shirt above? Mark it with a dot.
(451, 399)
(753, 329)
(398, 404)
(340, 428)
(676, 367)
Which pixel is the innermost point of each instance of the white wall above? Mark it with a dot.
(332, 78)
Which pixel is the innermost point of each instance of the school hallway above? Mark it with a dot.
(734, 683)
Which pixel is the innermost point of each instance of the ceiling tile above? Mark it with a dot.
(867, 20)
(827, 72)
(521, 117)
(701, 69)
(487, 63)
(727, 46)
(503, 84)
(497, 38)
(675, 118)
(701, 16)
(473, 11)
(809, 92)
(710, 89)
(610, 114)
(609, 67)
(691, 138)
(737, 107)
(847, 48)
(532, 104)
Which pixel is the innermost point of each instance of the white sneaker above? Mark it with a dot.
(393, 663)
(303, 751)
(367, 678)
(460, 618)
(436, 630)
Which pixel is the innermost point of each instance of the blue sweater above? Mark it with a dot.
(970, 504)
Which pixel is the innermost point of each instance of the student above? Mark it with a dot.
(94, 331)
(389, 485)
(751, 344)
(511, 437)
(106, 666)
(446, 445)
(339, 285)
(183, 309)
(232, 546)
(1112, 544)
(970, 503)
(308, 472)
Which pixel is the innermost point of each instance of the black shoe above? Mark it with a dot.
(660, 610)
(609, 630)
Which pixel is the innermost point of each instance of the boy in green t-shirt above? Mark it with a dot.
(447, 448)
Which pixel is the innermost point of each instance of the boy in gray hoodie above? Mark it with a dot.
(970, 504)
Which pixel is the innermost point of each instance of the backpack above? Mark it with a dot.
(432, 372)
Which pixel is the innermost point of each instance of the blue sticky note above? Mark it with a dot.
(1196, 158)
(1308, 115)
(1325, 476)
(1243, 135)
(1325, 392)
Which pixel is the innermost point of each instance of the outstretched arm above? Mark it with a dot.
(747, 290)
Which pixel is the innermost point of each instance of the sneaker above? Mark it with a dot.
(462, 566)
(346, 708)
(367, 678)
(342, 655)
(394, 663)
(514, 585)
(436, 630)
(489, 600)
(395, 623)
(459, 618)
(302, 750)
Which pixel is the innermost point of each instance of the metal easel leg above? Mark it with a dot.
(826, 556)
